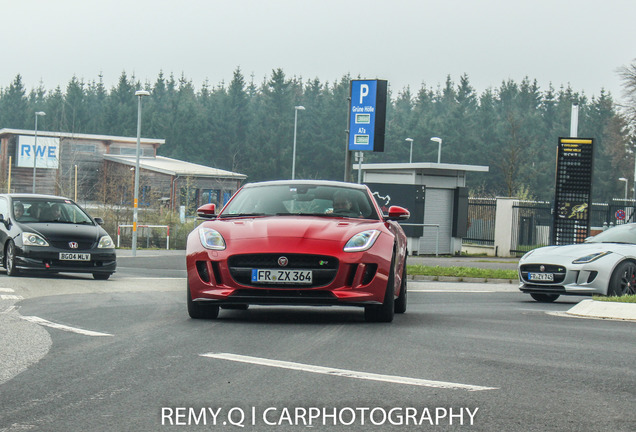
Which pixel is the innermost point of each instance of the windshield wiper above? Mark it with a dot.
(67, 222)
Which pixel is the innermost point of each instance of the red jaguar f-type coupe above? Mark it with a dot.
(298, 243)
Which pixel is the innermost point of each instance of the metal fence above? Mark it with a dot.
(481, 221)
(532, 221)
(531, 225)
(616, 212)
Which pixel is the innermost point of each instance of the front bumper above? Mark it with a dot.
(583, 279)
(47, 259)
(359, 279)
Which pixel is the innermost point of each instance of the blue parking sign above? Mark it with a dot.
(367, 115)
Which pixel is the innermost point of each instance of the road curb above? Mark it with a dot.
(606, 310)
(421, 278)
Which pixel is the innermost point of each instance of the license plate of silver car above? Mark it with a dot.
(541, 277)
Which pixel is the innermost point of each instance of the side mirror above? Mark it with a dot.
(99, 221)
(206, 211)
(397, 213)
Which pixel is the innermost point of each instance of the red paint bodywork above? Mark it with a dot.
(290, 234)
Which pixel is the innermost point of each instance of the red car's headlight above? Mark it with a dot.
(211, 239)
(362, 241)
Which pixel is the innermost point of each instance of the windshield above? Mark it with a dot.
(32, 210)
(618, 234)
(301, 199)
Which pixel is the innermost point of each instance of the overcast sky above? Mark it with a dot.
(407, 42)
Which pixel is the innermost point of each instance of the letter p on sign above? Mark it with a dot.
(364, 91)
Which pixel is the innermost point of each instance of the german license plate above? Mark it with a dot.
(541, 277)
(281, 276)
(73, 256)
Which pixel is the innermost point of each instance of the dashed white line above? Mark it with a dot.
(10, 297)
(41, 321)
(345, 373)
(9, 290)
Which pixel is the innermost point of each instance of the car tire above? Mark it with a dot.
(623, 280)
(385, 311)
(198, 311)
(9, 259)
(101, 276)
(544, 298)
(400, 302)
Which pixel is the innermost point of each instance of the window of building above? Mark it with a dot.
(84, 148)
(210, 196)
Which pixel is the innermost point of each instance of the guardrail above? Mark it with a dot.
(119, 227)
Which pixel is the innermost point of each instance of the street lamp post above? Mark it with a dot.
(35, 146)
(439, 148)
(139, 94)
(296, 108)
(411, 153)
(623, 179)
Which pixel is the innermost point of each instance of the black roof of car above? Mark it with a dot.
(30, 195)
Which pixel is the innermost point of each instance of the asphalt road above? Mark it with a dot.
(124, 356)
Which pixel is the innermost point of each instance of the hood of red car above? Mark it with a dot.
(305, 227)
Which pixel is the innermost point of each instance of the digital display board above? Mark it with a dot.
(573, 191)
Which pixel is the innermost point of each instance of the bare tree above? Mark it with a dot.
(628, 75)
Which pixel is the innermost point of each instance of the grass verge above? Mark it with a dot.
(623, 299)
(467, 272)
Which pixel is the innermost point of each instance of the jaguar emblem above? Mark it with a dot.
(283, 261)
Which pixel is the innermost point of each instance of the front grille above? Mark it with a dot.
(76, 264)
(559, 273)
(287, 296)
(324, 268)
(82, 245)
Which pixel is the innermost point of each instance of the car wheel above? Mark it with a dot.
(400, 302)
(544, 298)
(385, 311)
(101, 276)
(623, 280)
(198, 311)
(9, 259)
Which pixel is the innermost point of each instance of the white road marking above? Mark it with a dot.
(7, 290)
(9, 310)
(10, 297)
(345, 373)
(41, 321)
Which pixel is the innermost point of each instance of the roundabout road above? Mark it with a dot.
(78, 354)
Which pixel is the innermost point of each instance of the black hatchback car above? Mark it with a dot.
(52, 234)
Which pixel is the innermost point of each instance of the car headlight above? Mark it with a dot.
(105, 242)
(362, 241)
(33, 239)
(211, 239)
(590, 257)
